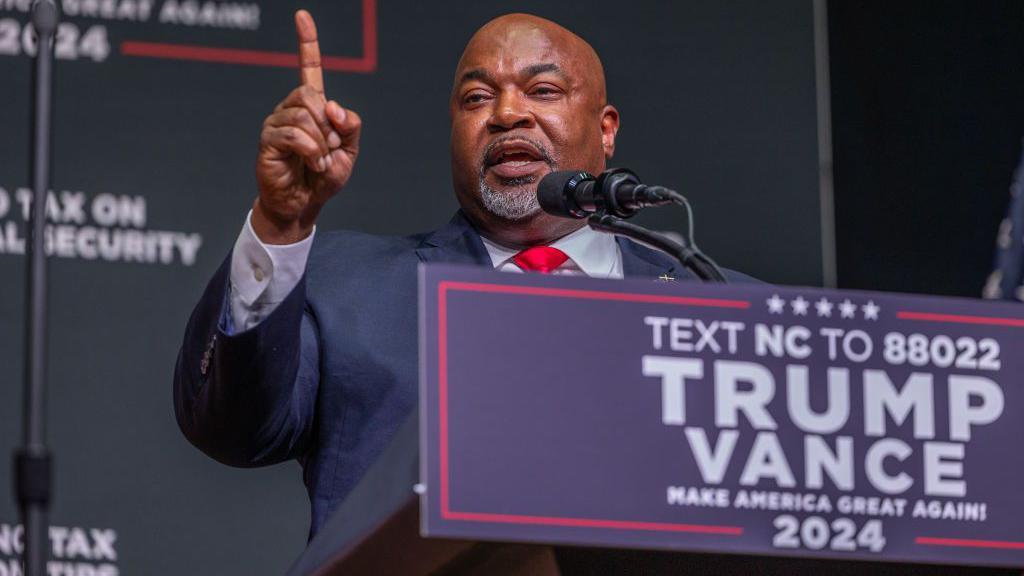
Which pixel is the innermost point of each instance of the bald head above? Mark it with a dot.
(504, 33)
(528, 99)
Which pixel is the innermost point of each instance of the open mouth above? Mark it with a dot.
(515, 159)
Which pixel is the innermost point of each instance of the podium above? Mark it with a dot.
(687, 428)
(376, 530)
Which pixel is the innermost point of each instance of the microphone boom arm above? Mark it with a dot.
(691, 259)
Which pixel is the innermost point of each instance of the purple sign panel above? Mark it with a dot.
(734, 419)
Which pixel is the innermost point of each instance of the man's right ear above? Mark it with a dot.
(609, 128)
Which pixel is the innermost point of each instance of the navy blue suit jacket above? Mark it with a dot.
(328, 377)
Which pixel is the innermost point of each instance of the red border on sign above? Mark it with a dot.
(447, 513)
(364, 64)
(960, 319)
(965, 543)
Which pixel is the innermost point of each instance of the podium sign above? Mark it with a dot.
(738, 419)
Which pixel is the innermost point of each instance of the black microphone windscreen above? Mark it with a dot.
(555, 192)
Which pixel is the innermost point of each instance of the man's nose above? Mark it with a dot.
(510, 111)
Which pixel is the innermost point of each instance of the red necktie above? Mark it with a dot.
(541, 259)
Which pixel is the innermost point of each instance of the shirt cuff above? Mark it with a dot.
(262, 275)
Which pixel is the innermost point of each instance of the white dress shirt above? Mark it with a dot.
(262, 275)
(590, 254)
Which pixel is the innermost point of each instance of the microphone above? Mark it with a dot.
(616, 194)
(577, 194)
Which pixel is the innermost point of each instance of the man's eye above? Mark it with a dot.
(475, 97)
(545, 91)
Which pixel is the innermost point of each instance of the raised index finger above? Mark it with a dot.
(309, 51)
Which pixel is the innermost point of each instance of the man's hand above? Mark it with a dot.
(307, 150)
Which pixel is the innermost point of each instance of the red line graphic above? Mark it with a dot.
(960, 319)
(363, 64)
(442, 350)
(964, 543)
(442, 385)
(594, 523)
(594, 295)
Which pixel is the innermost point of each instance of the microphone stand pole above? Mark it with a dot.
(32, 463)
(691, 259)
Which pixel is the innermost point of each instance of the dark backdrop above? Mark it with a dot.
(928, 116)
(717, 100)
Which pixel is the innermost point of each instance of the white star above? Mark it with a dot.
(824, 308)
(776, 305)
(799, 306)
(847, 309)
(870, 310)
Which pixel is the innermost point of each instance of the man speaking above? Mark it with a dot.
(304, 344)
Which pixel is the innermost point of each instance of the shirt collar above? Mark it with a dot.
(592, 252)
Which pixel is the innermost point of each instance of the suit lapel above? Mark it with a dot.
(454, 243)
(639, 261)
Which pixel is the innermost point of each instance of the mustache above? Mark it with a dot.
(545, 154)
